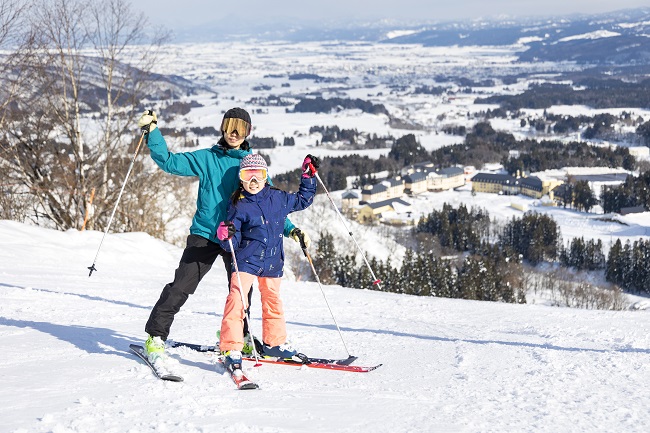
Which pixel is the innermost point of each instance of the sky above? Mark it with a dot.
(177, 14)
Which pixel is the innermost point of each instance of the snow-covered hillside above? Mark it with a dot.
(449, 365)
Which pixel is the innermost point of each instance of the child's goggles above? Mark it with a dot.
(231, 124)
(248, 174)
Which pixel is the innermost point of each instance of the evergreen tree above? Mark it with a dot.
(615, 263)
(577, 255)
(407, 278)
(596, 257)
(644, 131)
(534, 236)
(446, 235)
(583, 196)
(422, 277)
(640, 280)
(628, 269)
(635, 191)
(469, 276)
(346, 271)
(325, 260)
(407, 150)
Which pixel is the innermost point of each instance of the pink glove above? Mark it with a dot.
(226, 230)
(310, 166)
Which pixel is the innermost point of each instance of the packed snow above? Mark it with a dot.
(448, 365)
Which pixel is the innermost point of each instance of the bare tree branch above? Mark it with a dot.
(68, 130)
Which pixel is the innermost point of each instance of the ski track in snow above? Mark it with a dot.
(449, 365)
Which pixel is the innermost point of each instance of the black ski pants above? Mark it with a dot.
(197, 259)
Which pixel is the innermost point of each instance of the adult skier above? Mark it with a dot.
(217, 169)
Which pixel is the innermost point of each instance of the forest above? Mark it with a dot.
(321, 105)
(461, 253)
(597, 93)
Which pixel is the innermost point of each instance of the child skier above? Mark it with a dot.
(255, 224)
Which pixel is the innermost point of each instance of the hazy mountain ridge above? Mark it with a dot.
(608, 38)
(614, 38)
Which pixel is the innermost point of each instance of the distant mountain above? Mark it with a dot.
(613, 38)
(274, 31)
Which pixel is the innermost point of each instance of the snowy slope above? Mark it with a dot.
(449, 365)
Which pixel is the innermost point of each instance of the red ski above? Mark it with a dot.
(327, 364)
(238, 376)
(323, 365)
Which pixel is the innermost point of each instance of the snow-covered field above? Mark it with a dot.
(239, 73)
(373, 72)
(449, 365)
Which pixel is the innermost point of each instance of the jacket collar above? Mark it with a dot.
(259, 196)
(233, 153)
(245, 147)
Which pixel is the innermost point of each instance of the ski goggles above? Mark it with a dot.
(248, 174)
(231, 124)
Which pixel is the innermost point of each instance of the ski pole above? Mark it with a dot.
(376, 281)
(304, 250)
(243, 302)
(119, 197)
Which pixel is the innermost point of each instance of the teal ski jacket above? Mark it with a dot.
(218, 171)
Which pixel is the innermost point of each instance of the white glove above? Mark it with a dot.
(301, 237)
(148, 121)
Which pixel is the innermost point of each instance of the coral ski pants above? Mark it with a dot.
(274, 330)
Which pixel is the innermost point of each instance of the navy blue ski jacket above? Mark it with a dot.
(259, 219)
